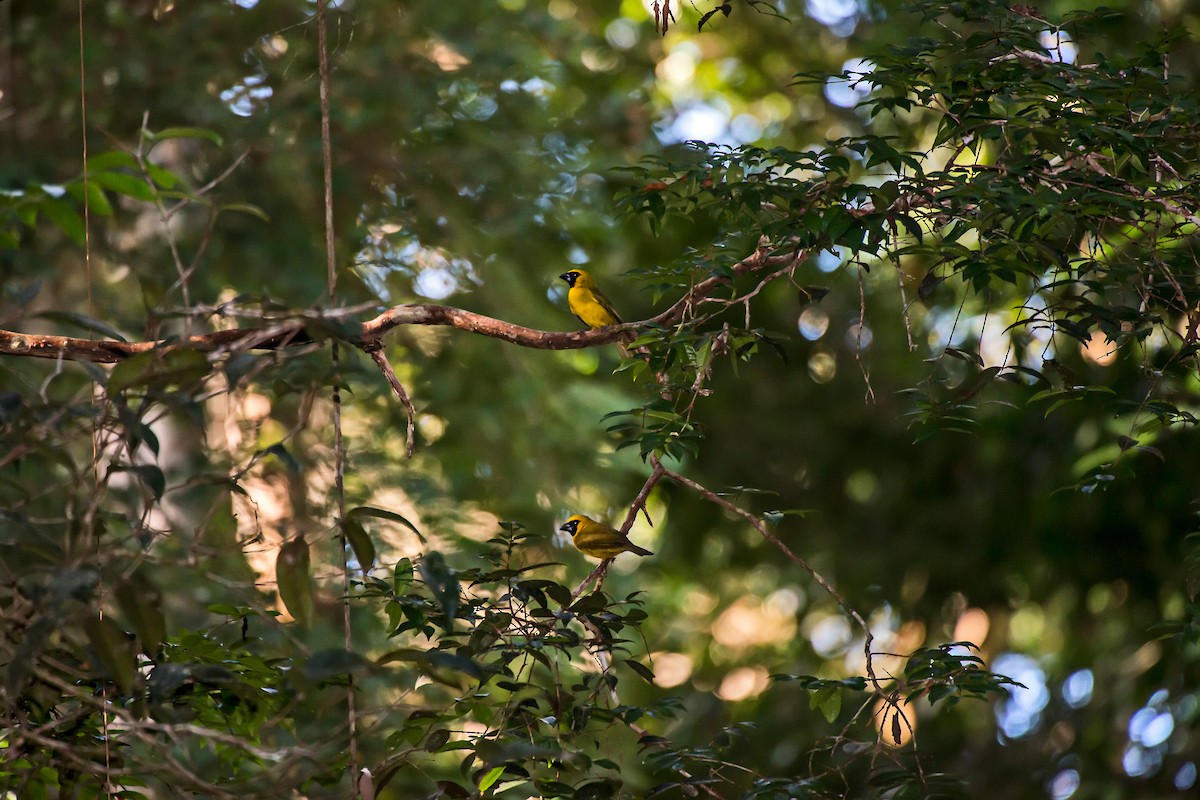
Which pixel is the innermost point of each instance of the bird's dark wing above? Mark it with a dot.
(606, 305)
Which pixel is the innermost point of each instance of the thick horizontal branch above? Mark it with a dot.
(291, 332)
(460, 319)
(104, 351)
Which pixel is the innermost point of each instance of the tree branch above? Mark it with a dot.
(103, 351)
(639, 502)
(291, 332)
(761, 526)
(375, 351)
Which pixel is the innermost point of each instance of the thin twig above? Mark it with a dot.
(639, 502)
(862, 320)
(761, 527)
(208, 187)
(596, 575)
(140, 154)
(87, 261)
(904, 309)
(339, 443)
(376, 354)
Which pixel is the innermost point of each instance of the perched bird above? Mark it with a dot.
(597, 540)
(587, 302)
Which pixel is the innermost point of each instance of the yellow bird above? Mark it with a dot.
(597, 540)
(587, 302)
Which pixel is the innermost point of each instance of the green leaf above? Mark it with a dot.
(136, 432)
(27, 213)
(141, 603)
(402, 576)
(97, 201)
(589, 603)
(158, 368)
(65, 217)
(360, 541)
(29, 648)
(83, 322)
(433, 661)
(148, 474)
(490, 778)
(436, 740)
(114, 649)
(641, 669)
(245, 208)
(554, 789)
(965, 355)
(559, 593)
(283, 454)
(133, 186)
(110, 160)
(442, 583)
(813, 294)
(161, 176)
(228, 610)
(449, 788)
(184, 133)
(828, 700)
(293, 580)
(603, 789)
(382, 513)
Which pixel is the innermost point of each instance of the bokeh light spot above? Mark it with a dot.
(1139, 761)
(822, 368)
(1021, 713)
(1077, 688)
(840, 16)
(972, 626)
(435, 283)
(622, 32)
(859, 337)
(1185, 778)
(830, 636)
(1064, 784)
(862, 486)
(813, 323)
(671, 669)
(1099, 350)
(1150, 727)
(743, 683)
(851, 87)
(1059, 46)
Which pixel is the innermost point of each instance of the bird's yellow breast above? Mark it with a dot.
(592, 308)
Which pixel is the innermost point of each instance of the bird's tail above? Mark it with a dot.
(641, 551)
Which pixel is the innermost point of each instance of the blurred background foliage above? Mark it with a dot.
(478, 153)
